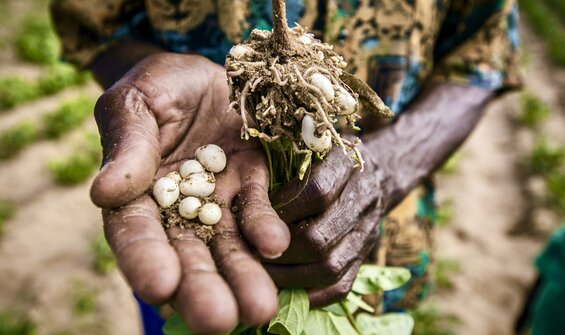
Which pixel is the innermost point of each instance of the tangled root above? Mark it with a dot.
(274, 94)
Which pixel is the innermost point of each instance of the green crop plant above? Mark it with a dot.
(7, 210)
(79, 165)
(445, 213)
(555, 185)
(16, 324)
(70, 114)
(84, 299)
(452, 164)
(104, 261)
(36, 41)
(549, 26)
(431, 321)
(15, 139)
(15, 91)
(558, 7)
(444, 271)
(546, 158)
(60, 76)
(534, 110)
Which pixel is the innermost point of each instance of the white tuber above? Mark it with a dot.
(239, 51)
(318, 144)
(324, 84)
(190, 166)
(199, 184)
(212, 157)
(188, 207)
(175, 176)
(346, 102)
(210, 213)
(305, 39)
(166, 191)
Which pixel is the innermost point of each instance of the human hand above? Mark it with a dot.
(150, 121)
(333, 216)
(334, 219)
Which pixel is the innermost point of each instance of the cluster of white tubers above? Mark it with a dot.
(195, 180)
(333, 94)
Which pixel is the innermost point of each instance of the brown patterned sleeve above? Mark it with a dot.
(86, 28)
(488, 58)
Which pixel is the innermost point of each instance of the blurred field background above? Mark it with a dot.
(500, 197)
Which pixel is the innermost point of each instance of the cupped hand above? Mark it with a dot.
(151, 120)
(333, 216)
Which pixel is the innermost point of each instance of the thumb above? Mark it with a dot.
(259, 223)
(130, 143)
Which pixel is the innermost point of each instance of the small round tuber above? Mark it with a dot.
(166, 191)
(212, 157)
(188, 207)
(210, 213)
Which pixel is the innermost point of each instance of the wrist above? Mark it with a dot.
(424, 136)
(114, 62)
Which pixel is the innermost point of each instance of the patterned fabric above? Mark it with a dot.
(407, 241)
(395, 45)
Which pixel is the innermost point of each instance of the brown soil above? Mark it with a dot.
(489, 236)
(170, 217)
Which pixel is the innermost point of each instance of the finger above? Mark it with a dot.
(352, 247)
(254, 290)
(259, 223)
(142, 249)
(130, 142)
(319, 188)
(203, 298)
(320, 297)
(311, 240)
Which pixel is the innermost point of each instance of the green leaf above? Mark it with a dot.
(321, 322)
(292, 313)
(372, 279)
(176, 326)
(338, 310)
(389, 324)
(357, 301)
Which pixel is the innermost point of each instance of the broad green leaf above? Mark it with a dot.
(388, 324)
(292, 313)
(321, 322)
(356, 300)
(338, 310)
(176, 326)
(372, 279)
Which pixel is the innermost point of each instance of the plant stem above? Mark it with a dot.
(280, 28)
(349, 316)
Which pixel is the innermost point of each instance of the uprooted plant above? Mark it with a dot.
(293, 93)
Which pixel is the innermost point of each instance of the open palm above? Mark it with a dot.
(150, 121)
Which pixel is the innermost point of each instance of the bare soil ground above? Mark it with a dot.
(488, 236)
(45, 255)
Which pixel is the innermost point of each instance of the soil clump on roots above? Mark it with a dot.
(291, 91)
